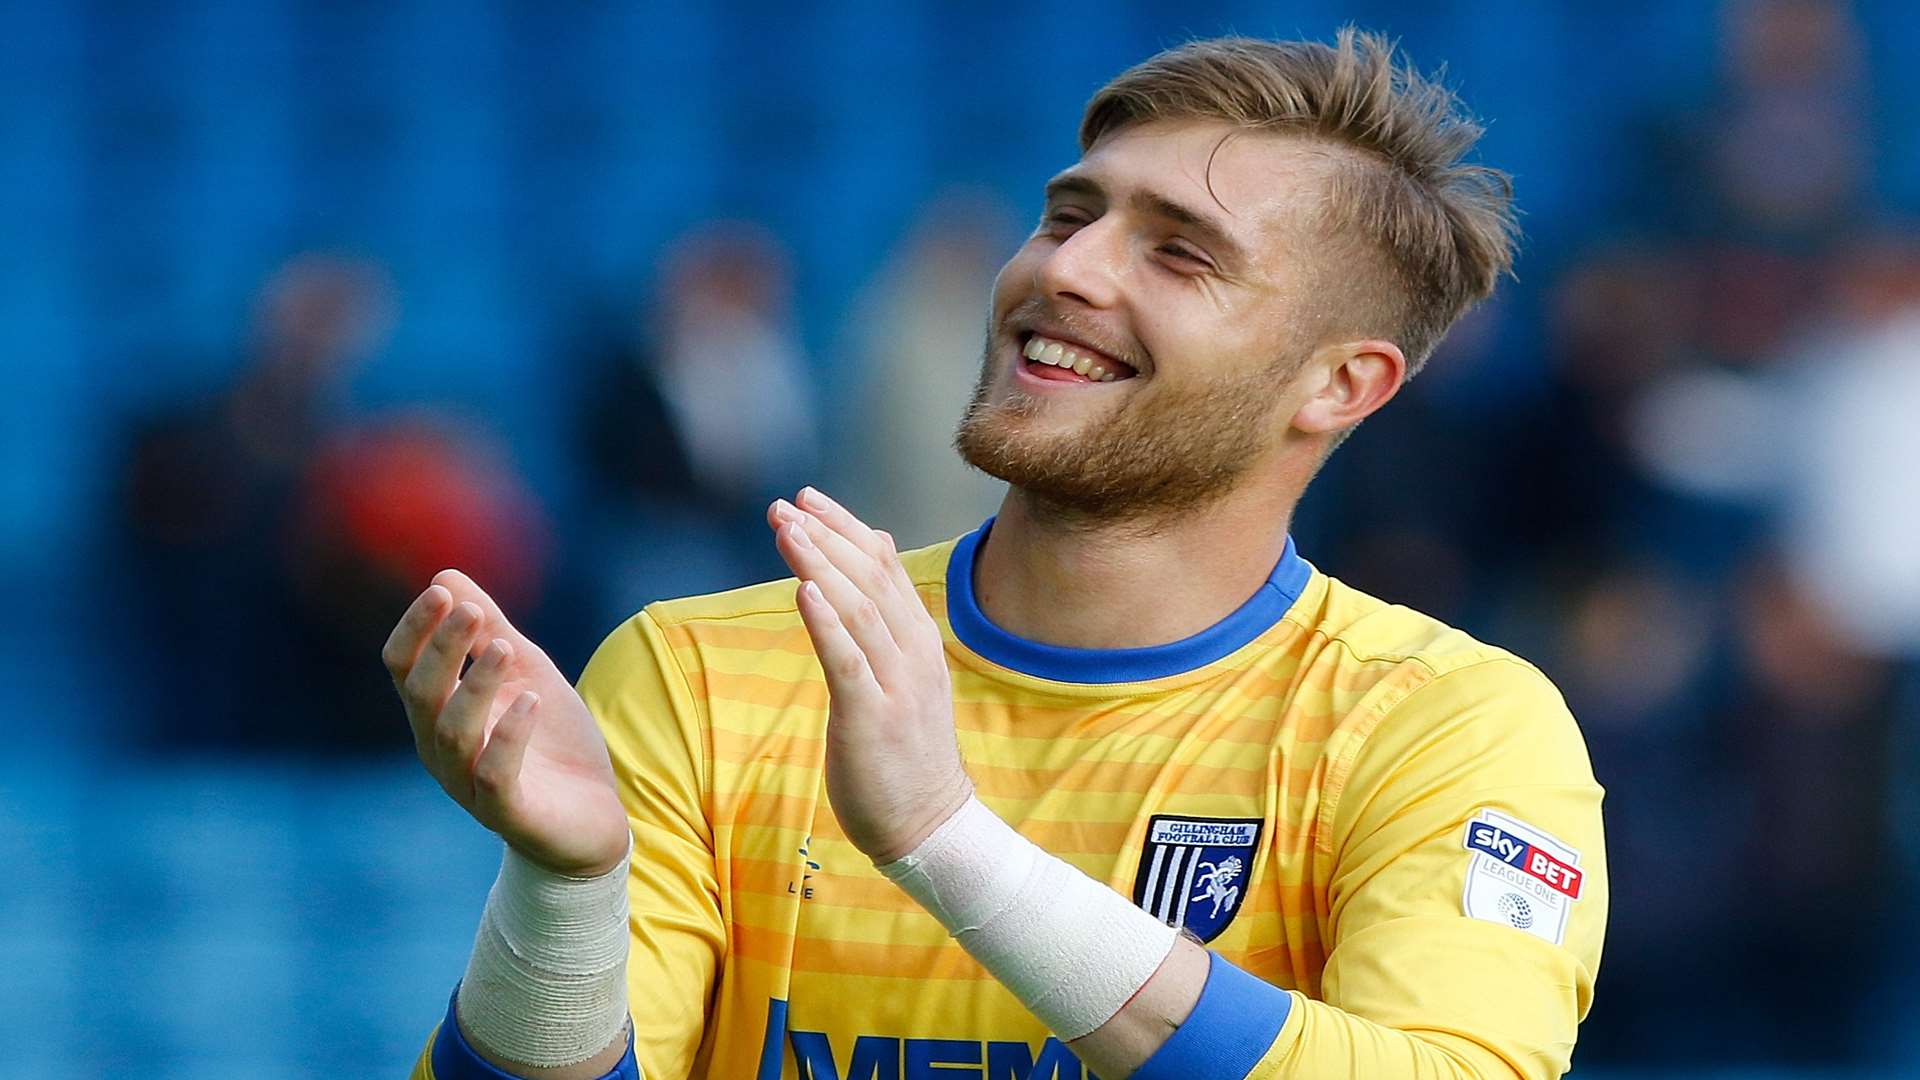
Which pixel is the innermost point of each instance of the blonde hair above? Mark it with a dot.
(1443, 229)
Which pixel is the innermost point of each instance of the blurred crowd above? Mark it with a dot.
(268, 524)
(1704, 523)
(1676, 469)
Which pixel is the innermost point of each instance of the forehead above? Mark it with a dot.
(1256, 184)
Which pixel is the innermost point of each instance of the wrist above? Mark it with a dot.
(559, 921)
(900, 846)
(546, 985)
(1070, 948)
(593, 868)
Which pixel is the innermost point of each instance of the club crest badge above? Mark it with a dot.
(1193, 871)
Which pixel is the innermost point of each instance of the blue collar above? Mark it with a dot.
(1062, 664)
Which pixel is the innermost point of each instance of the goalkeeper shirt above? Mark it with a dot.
(1387, 833)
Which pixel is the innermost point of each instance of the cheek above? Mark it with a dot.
(1183, 334)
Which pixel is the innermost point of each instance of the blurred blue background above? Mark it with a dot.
(302, 301)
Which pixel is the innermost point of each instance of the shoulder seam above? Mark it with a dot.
(1483, 654)
(724, 616)
(702, 716)
(1335, 785)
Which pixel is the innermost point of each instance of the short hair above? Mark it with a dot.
(1443, 228)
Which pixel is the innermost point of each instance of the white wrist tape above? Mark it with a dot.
(547, 984)
(1072, 950)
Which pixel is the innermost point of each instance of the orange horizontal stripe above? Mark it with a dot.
(767, 876)
(943, 962)
(1022, 799)
(1296, 719)
(1147, 736)
(764, 809)
(754, 943)
(743, 651)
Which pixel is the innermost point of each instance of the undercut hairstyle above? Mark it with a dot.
(1439, 231)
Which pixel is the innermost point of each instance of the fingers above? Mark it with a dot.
(850, 677)
(427, 686)
(462, 724)
(498, 769)
(855, 611)
(868, 559)
(877, 543)
(410, 633)
(840, 520)
(493, 621)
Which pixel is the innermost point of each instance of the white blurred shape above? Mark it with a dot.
(1854, 525)
(1711, 433)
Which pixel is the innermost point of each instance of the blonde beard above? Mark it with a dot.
(1153, 456)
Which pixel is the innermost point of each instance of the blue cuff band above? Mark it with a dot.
(1232, 1027)
(454, 1059)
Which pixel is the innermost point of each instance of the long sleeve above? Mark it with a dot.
(1468, 900)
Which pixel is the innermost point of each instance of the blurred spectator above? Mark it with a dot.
(271, 544)
(1633, 657)
(1616, 323)
(379, 511)
(1712, 551)
(1674, 465)
(1850, 417)
(699, 416)
(1809, 727)
(1789, 150)
(917, 331)
(1779, 152)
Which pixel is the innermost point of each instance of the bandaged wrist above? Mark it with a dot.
(547, 983)
(1072, 950)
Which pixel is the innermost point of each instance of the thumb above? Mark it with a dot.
(497, 770)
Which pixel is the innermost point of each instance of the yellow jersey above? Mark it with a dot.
(1392, 826)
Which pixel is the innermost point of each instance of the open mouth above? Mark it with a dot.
(1063, 361)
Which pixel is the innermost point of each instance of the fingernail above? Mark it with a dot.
(784, 510)
(813, 495)
(464, 616)
(497, 652)
(525, 702)
(813, 593)
(800, 537)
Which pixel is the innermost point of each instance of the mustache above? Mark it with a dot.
(1035, 311)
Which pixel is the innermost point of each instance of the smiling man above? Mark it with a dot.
(1118, 784)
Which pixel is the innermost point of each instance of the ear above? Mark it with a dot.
(1351, 381)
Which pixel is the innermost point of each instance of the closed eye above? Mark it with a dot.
(1192, 259)
(1064, 219)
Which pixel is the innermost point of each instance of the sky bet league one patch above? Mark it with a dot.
(1193, 871)
(1520, 876)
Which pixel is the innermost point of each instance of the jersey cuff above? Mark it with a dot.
(454, 1058)
(1231, 1028)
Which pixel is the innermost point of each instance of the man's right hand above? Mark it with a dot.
(511, 741)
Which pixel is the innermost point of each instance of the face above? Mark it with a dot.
(1174, 268)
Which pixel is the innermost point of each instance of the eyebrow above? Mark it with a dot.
(1206, 229)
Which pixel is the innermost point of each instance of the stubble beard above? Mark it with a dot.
(1153, 456)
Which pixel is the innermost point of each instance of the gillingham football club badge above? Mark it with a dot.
(1193, 871)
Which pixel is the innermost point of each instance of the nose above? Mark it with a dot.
(1087, 266)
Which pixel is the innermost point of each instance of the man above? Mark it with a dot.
(940, 814)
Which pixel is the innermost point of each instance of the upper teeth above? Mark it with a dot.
(1048, 351)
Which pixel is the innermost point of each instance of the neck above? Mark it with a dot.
(1093, 584)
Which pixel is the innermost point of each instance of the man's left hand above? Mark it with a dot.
(894, 772)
